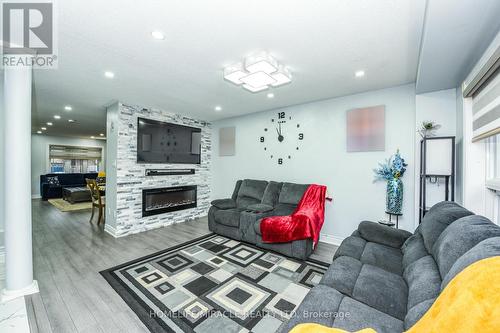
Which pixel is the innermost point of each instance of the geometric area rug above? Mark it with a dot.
(214, 284)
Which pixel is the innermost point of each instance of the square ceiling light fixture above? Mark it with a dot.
(260, 71)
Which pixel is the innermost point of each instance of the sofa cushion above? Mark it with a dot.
(250, 192)
(487, 248)
(224, 203)
(375, 254)
(382, 290)
(292, 193)
(271, 193)
(234, 196)
(260, 208)
(460, 237)
(413, 249)
(252, 189)
(351, 246)
(440, 216)
(354, 316)
(423, 280)
(375, 232)
(383, 256)
(228, 217)
(243, 202)
(342, 274)
(319, 306)
(416, 312)
(283, 210)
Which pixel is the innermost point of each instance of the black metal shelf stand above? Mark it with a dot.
(449, 179)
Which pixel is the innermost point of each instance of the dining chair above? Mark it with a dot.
(98, 201)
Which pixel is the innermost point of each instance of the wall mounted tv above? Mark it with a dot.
(161, 142)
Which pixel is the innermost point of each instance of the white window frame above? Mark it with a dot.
(493, 178)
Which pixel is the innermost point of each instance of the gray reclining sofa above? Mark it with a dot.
(387, 279)
(239, 217)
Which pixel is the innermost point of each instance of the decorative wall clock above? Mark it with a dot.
(281, 138)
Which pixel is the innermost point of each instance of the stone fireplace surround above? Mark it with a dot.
(131, 177)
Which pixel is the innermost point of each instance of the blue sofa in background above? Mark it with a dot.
(48, 191)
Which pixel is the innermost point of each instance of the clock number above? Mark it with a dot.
(280, 161)
(261, 139)
(301, 136)
(281, 115)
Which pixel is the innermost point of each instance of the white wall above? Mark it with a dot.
(322, 157)
(2, 154)
(111, 169)
(441, 107)
(40, 155)
(459, 147)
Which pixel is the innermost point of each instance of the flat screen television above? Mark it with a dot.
(161, 142)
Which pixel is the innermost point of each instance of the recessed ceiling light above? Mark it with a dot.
(270, 95)
(39, 132)
(49, 123)
(44, 128)
(68, 108)
(57, 117)
(218, 108)
(102, 134)
(71, 121)
(158, 35)
(359, 73)
(92, 137)
(109, 75)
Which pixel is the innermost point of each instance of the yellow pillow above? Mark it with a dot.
(469, 303)
(317, 328)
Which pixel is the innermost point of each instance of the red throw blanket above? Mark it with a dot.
(305, 222)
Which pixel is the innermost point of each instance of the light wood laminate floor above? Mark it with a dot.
(68, 254)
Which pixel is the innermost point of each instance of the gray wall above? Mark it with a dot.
(40, 155)
(322, 157)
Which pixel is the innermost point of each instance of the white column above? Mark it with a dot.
(17, 174)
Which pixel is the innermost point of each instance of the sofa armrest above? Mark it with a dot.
(224, 203)
(260, 208)
(375, 232)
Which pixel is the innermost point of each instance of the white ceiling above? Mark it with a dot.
(456, 34)
(323, 42)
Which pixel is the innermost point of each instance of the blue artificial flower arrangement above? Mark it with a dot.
(393, 168)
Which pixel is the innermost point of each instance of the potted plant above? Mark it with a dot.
(392, 171)
(428, 129)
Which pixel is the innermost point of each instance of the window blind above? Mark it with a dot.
(74, 153)
(486, 109)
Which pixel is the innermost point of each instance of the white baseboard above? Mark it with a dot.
(36, 196)
(330, 239)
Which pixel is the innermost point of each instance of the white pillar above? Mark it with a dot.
(17, 174)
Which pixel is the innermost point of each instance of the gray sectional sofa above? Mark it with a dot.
(239, 217)
(387, 279)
